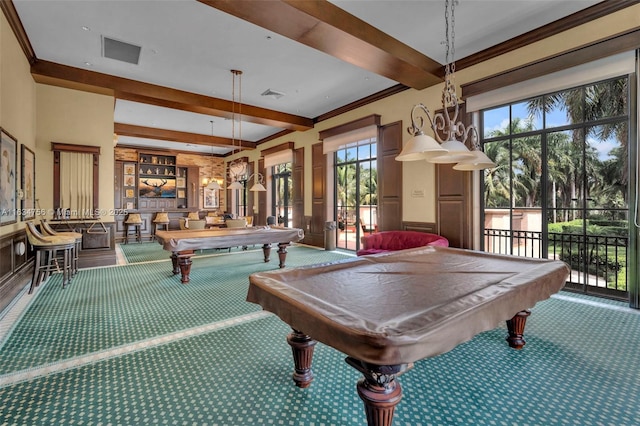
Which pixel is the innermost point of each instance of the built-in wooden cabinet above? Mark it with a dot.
(155, 182)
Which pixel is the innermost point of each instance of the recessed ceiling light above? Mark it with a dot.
(85, 28)
(268, 37)
(89, 64)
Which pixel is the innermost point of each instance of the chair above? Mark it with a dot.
(193, 216)
(49, 251)
(133, 220)
(236, 223)
(47, 230)
(161, 220)
(197, 224)
(249, 220)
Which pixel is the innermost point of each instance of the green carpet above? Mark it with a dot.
(151, 251)
(109, 307)
(580, 365)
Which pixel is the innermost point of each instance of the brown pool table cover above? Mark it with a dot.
(407, 305)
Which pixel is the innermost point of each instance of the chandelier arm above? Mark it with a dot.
(416, 129)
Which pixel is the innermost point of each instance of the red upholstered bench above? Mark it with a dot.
(384, 241)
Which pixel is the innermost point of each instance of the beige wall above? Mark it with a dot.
(17, 100)
(79, 118)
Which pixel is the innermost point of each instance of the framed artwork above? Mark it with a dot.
(181, 183)
(157, 187)
(8, 179)
(129, 180)
(181, 193)
(129, 169)
(129, 205)
(28, 178)
(129, 193)
(211, 198)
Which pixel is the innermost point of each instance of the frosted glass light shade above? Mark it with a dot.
(213, 185)
(258, 187)
(235, 185)
(421, 147)
(457, 151)
(479, 161)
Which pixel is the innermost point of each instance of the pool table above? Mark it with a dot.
(183, 243)
(387, 311)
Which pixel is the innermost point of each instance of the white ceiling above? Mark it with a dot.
(192, 47)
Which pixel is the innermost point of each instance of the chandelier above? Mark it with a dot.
(237, 168)
(212, 182)
(452, 147)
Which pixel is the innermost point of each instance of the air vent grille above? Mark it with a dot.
(273, 94)
(120, 51)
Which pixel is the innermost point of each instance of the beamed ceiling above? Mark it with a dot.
(322, 57)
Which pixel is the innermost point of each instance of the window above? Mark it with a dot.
(561, 185)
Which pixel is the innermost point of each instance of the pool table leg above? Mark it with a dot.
(302, 348)
(516, 329)
(266, 249)
(379, 390)
(181, 262)
(282, 253)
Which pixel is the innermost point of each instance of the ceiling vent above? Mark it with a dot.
(120, 50)
(273, 94)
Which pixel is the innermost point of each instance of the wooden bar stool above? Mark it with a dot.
(134, 220)
(48, 230)
(49, 251)
(161, 220)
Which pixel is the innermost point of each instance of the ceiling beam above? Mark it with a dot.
(175, 136)
(122, 88)
(323, 26)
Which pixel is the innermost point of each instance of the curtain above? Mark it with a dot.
(280, 157)
(609, 67)
(333, 143)
(76, 183)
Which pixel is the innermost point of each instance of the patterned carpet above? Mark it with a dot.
(131, 345)
(152, 251)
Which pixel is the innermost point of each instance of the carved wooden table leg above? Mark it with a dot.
(379, 390)
(282, 253)
(302, 348)
(184, 262)
(516, 329)
(266, 249)
(174, 262)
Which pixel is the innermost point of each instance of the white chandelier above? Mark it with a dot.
(451, 148)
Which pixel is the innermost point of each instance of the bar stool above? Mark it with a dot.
(133, 220)
(47, 230)
(49, 250)
(161, 220)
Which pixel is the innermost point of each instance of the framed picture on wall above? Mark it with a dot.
(8, 178)
(129, 193)
(211, 198)
(129, 169)
(181, 182)
(129, 180)
(157, 187)
(28, 178)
